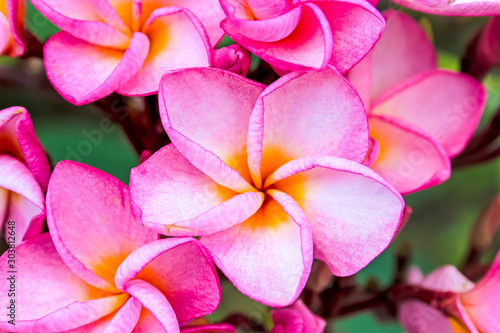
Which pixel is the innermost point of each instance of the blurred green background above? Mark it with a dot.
(442, 218)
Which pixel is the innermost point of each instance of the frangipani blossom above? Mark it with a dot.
(269, 177)
(419, 116)
(125, 45)
(100, 271)
(477, 305)
(454, 7)
(24, 174)
(297, 319)
(292, 35)
(11, 22)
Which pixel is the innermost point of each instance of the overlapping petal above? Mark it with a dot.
(101, 215)
(297, 318)
(11, 25)
(454, 8)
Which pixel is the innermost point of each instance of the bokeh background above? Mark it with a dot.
(437, 233)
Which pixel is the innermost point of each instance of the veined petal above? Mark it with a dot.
(23, 199)
(310, 45)
(305, 114)
(178, 40)
(404, 50)
(407, 157)
(269, 256)
(174, 198)
(83, 72)
(264, 9)
(80, 19)
(181, 269)
(354, 213)
(446, 105)
(206, 113)
(59, 300)
(454, 8)
(102, 216)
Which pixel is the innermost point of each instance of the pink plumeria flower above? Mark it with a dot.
(419, 116)
(24, 175)
(215, 328)
(297, 34)
(11, 23)
(454, 7)
(297, 319)
(125, 45)
(101, 271)
(477, 304)
(269, 177)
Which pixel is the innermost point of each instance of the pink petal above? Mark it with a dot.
(264, 9)
(269, 256)
(309, 45)
(237, 9)
(5, 36)
(205, 112)
(305, 114)
(404, 50)
(80, 19)
(297, 318)
(68, 62)
(233, 58)
(356, 26)
(454, 8)
(408, 158)
(447, 278)
(419, 317)
(23, 200)
(156, 303)
(107, 10)
(15, 17)
(59, 300)
(173, 197)
(181, 270)
(447, 105)
(354, 213)
(215, 328)
(101, 215)
(18, 138)
(178, 40)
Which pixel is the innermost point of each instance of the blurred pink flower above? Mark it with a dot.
(477, 304)
(100, 270)
(300, 34)
(11, 23)
(125, 45)
(214, 328)
(454, 7)
(269, 177)
(24, 174)
(297, 319)
(419, 116)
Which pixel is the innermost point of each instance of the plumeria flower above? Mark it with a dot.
(419, 116)
(297, 34)
(11, 22)
(101, 271)
(297, 319)
(24, 175)
(125, 45)
(269, 177)
(477, 304)
(454, 7)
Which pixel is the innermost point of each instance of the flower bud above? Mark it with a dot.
(233, 58)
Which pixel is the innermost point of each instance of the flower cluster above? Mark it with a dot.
(256, 180)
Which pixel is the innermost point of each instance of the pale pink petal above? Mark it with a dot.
(80, 19)
(354, 213)
(58, 300)
(110, 12)
(205, 112)
(178, 40)
(23, 199)
(356, 26)
(181, 269)
(148, 323)
(5, 36)
(447, 278)
(269, 256)
(404, 50)
(174, 198)
(263, 9)
(407, 157)
(306, 114)
(309, 45)
(156, 303)
(215, 328)
(419, 317)
(446, 105)
(237, 9)
(83, 72)
(297, 318)
(18, 138)
(85, 203)
(454, 8)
